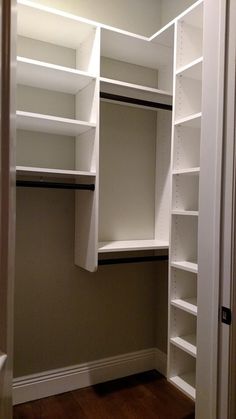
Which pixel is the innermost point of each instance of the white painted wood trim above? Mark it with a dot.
(53, 382)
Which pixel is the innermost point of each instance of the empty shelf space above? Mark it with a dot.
(192, 70)
(185, 266)
(75, 29)
(186, 383)
(51, 124)
(193, 120)
(189, 171)
(126, 245)
(186, 343)
(188, 213)
(187, 304)
(41, 171)
(50, 76)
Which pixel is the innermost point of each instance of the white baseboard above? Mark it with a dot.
(37, 386)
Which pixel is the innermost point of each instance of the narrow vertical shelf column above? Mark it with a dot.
(183, 264)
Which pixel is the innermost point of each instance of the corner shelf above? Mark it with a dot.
(187, 304)
(185, 383)
(51, 124)
(50, 76)
(127, 245)
(186, 343)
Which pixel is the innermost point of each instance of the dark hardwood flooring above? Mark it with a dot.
(141, 396)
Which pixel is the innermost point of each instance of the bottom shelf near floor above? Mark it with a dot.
(185, 383)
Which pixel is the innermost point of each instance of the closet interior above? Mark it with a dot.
(94, 112)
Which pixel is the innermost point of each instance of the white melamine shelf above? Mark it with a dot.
(165, 36)
(43, 23)
(193, 120)
(3, 358)
(51, 124)
(126, 245)
(185, 266)
(130, 89)
(188, 213)
(188, 304)
(186, 343)
(190, 171)
(41, 171)
(134, 49)
(185, 383)
(50, 76)
(192, 70)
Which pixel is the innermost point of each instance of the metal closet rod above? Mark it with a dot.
(132, 259)
(54, 185)
(134, 101)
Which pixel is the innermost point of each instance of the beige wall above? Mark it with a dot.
(64, 315)
(136, 16)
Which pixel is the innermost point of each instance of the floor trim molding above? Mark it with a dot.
(37, 386)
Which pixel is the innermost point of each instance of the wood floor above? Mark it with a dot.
(142, 396)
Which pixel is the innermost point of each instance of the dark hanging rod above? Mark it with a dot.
(134, 101)
(133, 259)
(54, 185)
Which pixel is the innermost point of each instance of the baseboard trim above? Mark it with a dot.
(37, 386)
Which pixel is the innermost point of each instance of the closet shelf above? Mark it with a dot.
(190, 171)
(50, 76)
(186, 343)
(122, 88)
(185, 266)
(186, 383)
(51, 124)
(184, 212)
(75, 29)
(187, 304)
(192, 70)
(193, 120)
(126, 245)
(41, 171)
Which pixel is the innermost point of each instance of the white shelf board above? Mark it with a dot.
(51, 25)
(188, 304)
(42, 171)
(186, 343)
(188, 213)
(49, 76)
(192, 70)
(3, 358)
(126, 245)
(193, 120)
(185, 266)
(51, 124)
(134, 49)
(190, 171)
(185, 383)
(123, 88)
(165, 35)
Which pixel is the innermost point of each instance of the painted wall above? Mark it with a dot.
(136, 16)
(172, 8)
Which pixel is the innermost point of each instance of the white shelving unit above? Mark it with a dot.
(186, 133)
(138, 165)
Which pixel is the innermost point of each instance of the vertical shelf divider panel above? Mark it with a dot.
(183, 267)
(87, 153)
